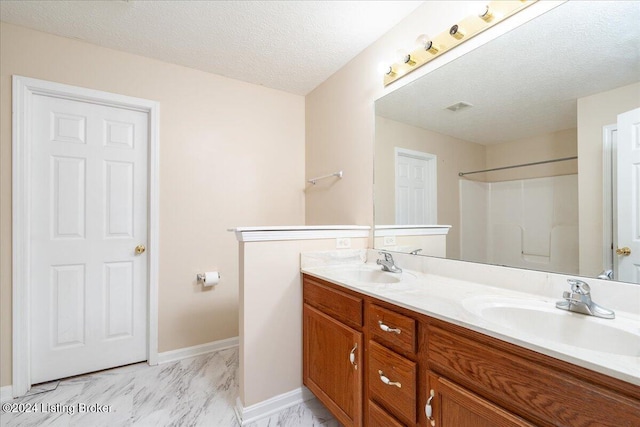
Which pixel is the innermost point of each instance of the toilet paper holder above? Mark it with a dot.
(201, 276)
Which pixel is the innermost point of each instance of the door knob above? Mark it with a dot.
(140, 249)
(623, 251)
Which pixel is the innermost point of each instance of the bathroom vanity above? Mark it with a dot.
(384, 349)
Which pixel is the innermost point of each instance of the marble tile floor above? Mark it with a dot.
(199, 391)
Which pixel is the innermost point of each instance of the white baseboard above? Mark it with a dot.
(6, 393)
(268, 407)
(196, 350)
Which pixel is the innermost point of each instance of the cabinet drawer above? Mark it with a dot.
(378, 417)
(391, 328)
(537, 392)
(339, 305)
(392, 382)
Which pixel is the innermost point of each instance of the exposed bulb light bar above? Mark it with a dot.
(427, 48)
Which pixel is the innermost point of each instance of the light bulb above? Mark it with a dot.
(424, 42)
(479, 9)
(402, 57)
(456, 32)
(384, 68)
(485, 13)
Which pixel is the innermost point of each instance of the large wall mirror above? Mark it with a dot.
(550, 109)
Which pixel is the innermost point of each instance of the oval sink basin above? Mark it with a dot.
(542, 320)
(371, 276)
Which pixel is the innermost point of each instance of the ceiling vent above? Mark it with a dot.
(459, 106)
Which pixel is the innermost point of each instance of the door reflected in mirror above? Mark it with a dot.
(526, 173)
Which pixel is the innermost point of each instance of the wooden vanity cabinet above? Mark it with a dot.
(332, 350)
(477, 380)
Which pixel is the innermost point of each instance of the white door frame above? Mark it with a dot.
(609, 214)
(24, 89)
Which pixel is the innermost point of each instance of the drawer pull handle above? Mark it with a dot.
(428, 409)
(387, 381)
(352, 356)
(388, 328)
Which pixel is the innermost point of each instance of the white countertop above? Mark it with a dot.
(453, 301)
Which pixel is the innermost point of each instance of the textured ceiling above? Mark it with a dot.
(526, 82)
(288, 45)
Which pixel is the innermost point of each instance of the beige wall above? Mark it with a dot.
(549, 146)
(594, 112)
(231, 154)
(454, 155)
(271, 316)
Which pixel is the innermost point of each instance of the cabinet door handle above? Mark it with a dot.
(387, 381)
(428, 409)
(388, 328)
(352, 356)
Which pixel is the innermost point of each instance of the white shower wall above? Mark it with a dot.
(528, 223)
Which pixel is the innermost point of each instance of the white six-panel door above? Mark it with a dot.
(416, 187)
(628, 214)
(88, 212)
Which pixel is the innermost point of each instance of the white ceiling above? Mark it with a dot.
(527, 82)
(288, 45)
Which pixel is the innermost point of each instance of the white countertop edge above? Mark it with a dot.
(299, 232)
(485, 330)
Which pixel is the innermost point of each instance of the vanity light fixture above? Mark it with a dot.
(429, 48)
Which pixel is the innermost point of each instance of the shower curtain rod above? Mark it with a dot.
(519, 166)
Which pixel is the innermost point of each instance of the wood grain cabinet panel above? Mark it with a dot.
(541, 394)
(328, 370)
(378, 417)
(399, 395)
(392, 329)
(456, 407)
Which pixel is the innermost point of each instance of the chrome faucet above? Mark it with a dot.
(415, 252)
(387, 263)
(606, 275)
(579, 301)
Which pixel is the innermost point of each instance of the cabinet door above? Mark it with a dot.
(332, 367)
(453, 406)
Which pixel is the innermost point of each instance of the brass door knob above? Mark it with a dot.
(140, 249)
(623, 251)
